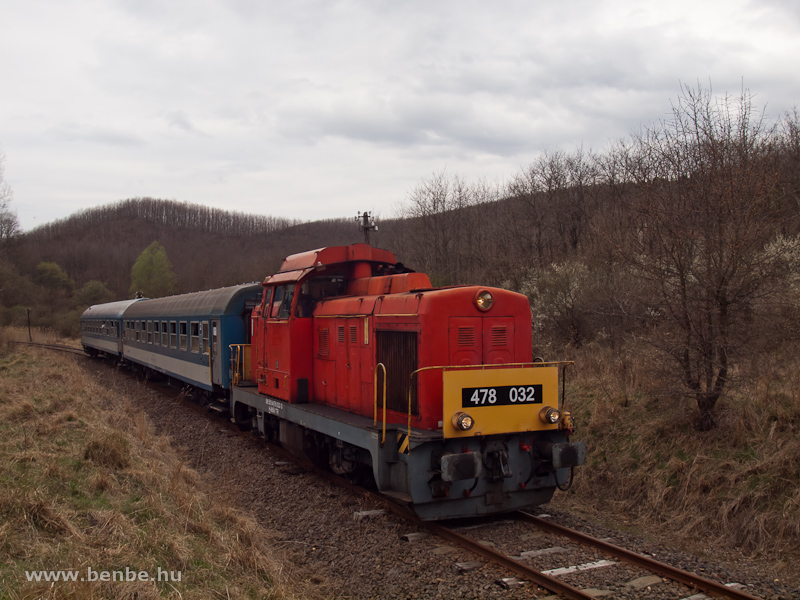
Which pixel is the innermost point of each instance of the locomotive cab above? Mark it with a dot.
(282, 326)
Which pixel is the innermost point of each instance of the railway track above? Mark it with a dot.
(57, 347)
(549, 579)
(634, 577)
(518, 564)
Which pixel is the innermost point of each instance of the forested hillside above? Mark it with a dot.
(60, 268)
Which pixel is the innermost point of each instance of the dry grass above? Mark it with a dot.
(38, 335)
(735, 486)
(85, 482)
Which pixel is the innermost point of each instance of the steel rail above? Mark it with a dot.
(549, 583)
(59, 347)
(645, 562)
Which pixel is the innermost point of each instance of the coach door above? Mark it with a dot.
(216, 353)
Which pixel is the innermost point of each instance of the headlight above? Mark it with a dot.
(550, 415)
(463, 421)
(483, 300)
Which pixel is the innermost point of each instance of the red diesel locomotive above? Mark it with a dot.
(359, 363)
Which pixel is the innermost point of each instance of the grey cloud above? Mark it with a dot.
(95, 135)
(180, 120)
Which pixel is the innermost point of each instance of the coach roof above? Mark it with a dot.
(110, 310)
(221, 301)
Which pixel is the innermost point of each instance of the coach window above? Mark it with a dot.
(164, 334)
(156, 334)
(173, 334)
(183, 335)
(194, 331)
(137, 325)
(149, 332)
(205, 337)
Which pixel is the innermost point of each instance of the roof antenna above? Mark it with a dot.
(366, 223)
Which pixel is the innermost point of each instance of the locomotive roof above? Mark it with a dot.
(220, 301)
(109, 310)
(335, 255)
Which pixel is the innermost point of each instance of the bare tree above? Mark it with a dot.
(9, 223)
(440, 230)
(706, 203)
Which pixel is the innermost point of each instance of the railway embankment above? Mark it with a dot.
(726, 493)
(95, 504)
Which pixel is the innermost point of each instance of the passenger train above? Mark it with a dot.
(349, 359)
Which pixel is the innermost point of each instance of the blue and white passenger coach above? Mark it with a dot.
(188, 337)
(101, 328)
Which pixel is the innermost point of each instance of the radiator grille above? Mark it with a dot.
(397, 350)
(353, 335)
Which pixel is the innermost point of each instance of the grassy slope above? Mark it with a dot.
(737, 486)
(85, 482)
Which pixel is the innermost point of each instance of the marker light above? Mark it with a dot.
(483, 300)
(463, 421)
(549, 415)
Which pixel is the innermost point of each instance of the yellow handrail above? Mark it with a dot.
(237, 362)
(375, 411)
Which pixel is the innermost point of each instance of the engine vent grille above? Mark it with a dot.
(324, 342)
(499, 336)
(353, 335)
(466, 337)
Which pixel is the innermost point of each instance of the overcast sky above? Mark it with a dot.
(313, 109)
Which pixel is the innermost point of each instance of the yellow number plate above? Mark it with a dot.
(499, 400)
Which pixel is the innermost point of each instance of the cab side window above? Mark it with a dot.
(286, 303)
(277, 297)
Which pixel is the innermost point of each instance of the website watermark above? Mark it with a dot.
(90, 574)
